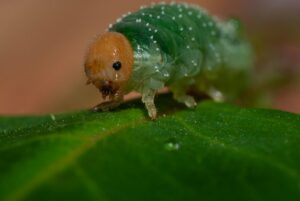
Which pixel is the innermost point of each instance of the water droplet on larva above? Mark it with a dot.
(116, 76)
(172, 146)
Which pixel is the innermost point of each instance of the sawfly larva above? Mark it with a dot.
(176, 45)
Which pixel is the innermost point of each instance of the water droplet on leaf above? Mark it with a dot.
(172, 145)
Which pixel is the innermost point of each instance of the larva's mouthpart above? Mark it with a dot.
(108, 63)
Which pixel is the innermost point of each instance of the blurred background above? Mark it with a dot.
(43, 42)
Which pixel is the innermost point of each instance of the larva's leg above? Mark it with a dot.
(188, 100)
(115, 101)
(148, 100)
(179, 94)
(216, 95)
(106, 106)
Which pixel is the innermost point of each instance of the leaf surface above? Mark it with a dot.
(214, 152)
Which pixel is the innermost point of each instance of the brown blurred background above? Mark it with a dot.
(43, 42)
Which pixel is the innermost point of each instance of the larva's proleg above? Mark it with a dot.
(174, 45)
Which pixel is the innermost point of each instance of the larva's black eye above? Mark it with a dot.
(117, 65)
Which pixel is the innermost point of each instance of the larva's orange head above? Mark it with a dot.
(108, 63)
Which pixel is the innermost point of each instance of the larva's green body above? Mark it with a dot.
(180, 45)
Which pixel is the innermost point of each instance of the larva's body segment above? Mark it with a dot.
(179, 45)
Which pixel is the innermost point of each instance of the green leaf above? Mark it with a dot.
(214, 152)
